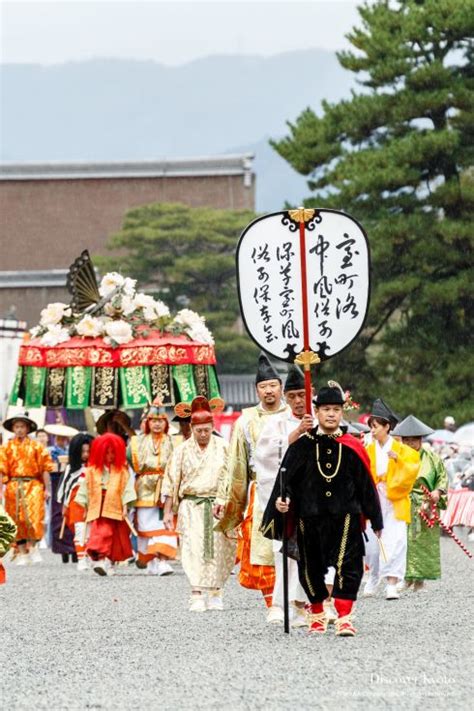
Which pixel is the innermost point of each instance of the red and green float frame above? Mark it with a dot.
(81, 373)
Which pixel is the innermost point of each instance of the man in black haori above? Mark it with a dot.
(329, 491)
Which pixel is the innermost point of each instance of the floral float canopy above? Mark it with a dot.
(114, 346)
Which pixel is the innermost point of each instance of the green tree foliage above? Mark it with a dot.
(187, 257)
(397, 156)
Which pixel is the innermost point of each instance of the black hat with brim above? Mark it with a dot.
(411, 426)
(382, 411)
(294, 379)
(265, 370)
(22, 417)
(103, 421)
(329, 396)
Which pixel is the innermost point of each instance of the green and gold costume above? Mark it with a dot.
(423, 555)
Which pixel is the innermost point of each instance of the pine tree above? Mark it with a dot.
(397, 156)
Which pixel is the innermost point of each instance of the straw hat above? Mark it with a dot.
(23, 417)
(60, 430)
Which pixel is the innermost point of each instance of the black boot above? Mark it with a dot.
(65, 557)
(74, 557)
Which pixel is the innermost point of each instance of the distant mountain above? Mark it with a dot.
(123, 109)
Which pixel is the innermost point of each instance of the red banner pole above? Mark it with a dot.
(304, 300)
(306, 358)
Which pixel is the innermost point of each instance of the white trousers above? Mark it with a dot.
(394, 539)
(153, 537)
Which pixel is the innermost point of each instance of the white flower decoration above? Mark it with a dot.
(162, 311)
(54, 335)
(187, 317)
(128, 305)
(156, 310)
(129, 287)
(201, 334)
(54, 313)
(90, 327)
(118, 331)
(194, 325)
(110, 282)
(35, 331)
(149, 314)
(143, 301)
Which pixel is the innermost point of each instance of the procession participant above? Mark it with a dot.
(25, 466)
(74, 514)
(105, 491)
(449, 423)
(148, 454)
(41, 436)
(116, 422)
(327, 482)
(394, 467)
(63, 546)
(7, 537)
(326, 475)
(423, 554)
(190, 487)
(236, 502)
(276, 435)
(184, 432)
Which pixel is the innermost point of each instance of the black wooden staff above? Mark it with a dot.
(286, 609)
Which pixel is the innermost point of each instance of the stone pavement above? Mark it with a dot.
(79, 641)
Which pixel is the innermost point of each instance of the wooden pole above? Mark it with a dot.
(63, 525)
(307, 357)
(131, 526)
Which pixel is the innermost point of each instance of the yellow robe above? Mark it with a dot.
(233, 491)
(22, 464)
(148, 455)
(399, 477)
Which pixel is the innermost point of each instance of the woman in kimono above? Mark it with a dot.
(423, 554)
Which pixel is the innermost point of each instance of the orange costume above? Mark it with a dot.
(104, 492)
(22, 464)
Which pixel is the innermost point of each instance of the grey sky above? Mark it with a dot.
(168, 32)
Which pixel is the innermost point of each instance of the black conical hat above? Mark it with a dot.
(382, 410)
(411, 426)
(294, 379)
(265, 370)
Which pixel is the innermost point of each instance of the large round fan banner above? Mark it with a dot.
(328, 283)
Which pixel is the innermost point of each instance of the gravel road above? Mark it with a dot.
(78, 641)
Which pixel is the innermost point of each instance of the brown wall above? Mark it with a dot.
(45, 224)
(29, 302)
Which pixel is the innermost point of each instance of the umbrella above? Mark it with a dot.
(465, 435)
(441, 436)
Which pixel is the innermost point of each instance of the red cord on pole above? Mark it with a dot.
(304, 301)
